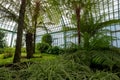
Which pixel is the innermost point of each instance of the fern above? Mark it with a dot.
(107, 59)
(101, 75)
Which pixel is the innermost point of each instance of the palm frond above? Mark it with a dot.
(108, 23)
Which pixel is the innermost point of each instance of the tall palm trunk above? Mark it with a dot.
(29, 45)
(77, 10)
(20, 32)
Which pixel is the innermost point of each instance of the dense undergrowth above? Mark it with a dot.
(80, 65)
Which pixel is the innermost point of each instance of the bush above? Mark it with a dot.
(105, 60)
(1, 51)
(23, 50)
(64, 67)
(100, 42)
(9, 50)
(5, 74)
(55, 50)
(47, 38)
(2, 40)
(71, 47)
(7, 55)
(42, 47)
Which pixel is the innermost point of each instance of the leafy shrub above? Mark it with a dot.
(9, 50)
(7, 55)
(100, 42)
(2, 40)
(47, 38)
(105, 59)
(23, 50)
(42, 47)
(55, 50)
(59, 69)
(71, 47)
(1, 51)
(101, 75)
(97, 59)
(5, 74)
(65, 67)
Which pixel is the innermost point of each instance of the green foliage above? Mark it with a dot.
(91, 29)
(71, 47)
(47, 38)
(8, 52)
(2, 40)
(1, 51)
(103, 59)
(42, 47)
(99, 42)
(55, 50)
(23, 50)
(59, 69)
(7, 55)
(75, 66)
(101, 75)
(97, 59)
(5, 74)
(102, 42)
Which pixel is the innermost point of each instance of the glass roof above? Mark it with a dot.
(60, 17)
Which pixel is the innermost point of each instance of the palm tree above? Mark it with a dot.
(76, 7)
(34, 18)
(20, 32)
(92, 27)
(31, 16)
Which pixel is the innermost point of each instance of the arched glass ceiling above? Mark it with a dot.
(59, 17)
(6, 20)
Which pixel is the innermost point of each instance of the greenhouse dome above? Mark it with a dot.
(63, 29)
(55, 19)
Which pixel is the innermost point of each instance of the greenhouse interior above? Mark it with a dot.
(59, 39)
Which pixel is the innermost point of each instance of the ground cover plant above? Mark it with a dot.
(80, 65)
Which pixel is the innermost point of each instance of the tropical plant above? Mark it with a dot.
(100, 42)
(71, 47)
(74, 66)
(7, 55)
(47, 38)
(77, 8)
(2, 40)
(55, 50)
(33, 18)
(42, 47)
(35, 13)
(93, 31)
(107, 60)
(8, 52)
(92, 27)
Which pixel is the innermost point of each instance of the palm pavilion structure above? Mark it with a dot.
(55, 20)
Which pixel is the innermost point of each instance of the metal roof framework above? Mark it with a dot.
(109, 7)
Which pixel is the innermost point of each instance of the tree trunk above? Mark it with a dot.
(17, 54)
(29, 45)
(77, 10)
